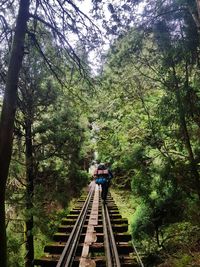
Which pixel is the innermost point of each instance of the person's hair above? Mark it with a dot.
(101, 166)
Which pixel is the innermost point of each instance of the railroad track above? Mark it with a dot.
(93, 234)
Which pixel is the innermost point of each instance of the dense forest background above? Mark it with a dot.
(139, 110)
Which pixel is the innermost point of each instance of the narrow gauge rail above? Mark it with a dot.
(66, 259)
(112, 254)
(92, 235)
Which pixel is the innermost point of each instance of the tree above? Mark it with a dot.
(8, 115)
(53, 134)
(34, 96)
(148, 122)
(68, 12)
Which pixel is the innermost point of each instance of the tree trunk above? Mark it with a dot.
(3, 255)
(195, 14)
(8, 115)
(29, 195)
(198, 9)
(183, 124)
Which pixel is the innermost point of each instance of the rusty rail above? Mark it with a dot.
(92, 235)
(67, 255)
(112, 255)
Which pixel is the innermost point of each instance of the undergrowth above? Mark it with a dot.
(179, 241)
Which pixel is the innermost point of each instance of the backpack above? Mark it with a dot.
(100, 180)
(102, 174)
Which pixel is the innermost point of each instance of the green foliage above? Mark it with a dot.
(40, 240)
(148, 123)
(142, 225)
(15, 250)
(144, 120)
(183, 261)
(82, 178)
(54, 116)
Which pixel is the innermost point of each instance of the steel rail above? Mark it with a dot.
(138, 256)
(66, 258)
(110, 244)
(106, 239)
(115, 253)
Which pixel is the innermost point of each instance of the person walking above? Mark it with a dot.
(103, 177)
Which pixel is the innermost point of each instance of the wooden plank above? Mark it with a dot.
(91, 237)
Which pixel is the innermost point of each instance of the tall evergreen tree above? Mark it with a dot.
(72, 20)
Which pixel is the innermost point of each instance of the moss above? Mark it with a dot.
(126, 203)
(183, 261)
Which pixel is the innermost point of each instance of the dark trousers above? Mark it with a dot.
(104, 191)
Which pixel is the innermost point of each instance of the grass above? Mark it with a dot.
(126, 203)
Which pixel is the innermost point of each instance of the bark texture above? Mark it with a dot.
(198, 9)
(8, 115)
(29, 195)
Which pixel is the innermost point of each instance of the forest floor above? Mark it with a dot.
(126, 203)
(182, 253)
